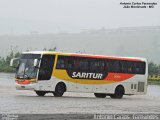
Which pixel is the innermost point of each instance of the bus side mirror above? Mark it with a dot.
(35, 62)
(14, 62)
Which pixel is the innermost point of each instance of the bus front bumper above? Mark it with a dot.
(25, 87)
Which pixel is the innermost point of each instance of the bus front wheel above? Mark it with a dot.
(40, 93)
(59, 90)
(119, 92)
(100, 95)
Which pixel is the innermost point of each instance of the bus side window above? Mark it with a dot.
(116, 66)
(102, 65)
(127, 66)
(97, 65)
(60, 62)
(143, 67)
(84, 64)
(80, 64)
(93, 65)
(130, 67)
(124, 66)
(64, 62)
(76, 64)
(108, 65)
(139, 67)
(69, 63)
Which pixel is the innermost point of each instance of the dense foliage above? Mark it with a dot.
(5, 61)
(153, 69)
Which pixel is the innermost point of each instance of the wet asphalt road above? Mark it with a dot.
(27, 102)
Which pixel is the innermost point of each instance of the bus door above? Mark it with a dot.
(45, 72)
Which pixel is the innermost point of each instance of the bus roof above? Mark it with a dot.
(87, 55)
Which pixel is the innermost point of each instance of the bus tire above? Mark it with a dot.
(40, 93)
(119, 92)
(100, 95)
(59, 90)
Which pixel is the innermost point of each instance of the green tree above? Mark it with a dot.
(52, 49)
(153, 68)
(5, 62)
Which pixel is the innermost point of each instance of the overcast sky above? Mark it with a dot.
(48, 16)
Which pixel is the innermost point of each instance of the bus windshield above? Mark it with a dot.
(26, 69)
